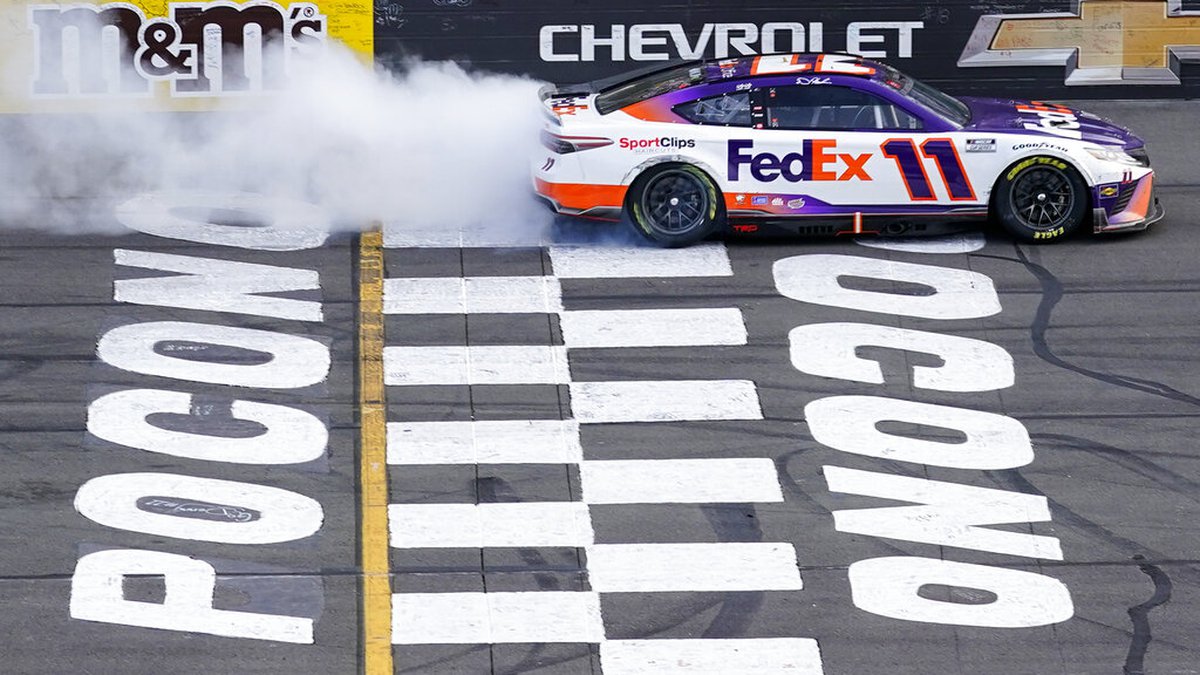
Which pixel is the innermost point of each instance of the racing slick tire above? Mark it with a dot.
(675, 205)
(1041, 199)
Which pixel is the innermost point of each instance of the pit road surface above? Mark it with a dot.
(551, 545)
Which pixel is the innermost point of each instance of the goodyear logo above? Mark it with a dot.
(201, 49)
(1100, 42)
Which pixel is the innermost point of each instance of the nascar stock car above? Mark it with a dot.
(830, 144)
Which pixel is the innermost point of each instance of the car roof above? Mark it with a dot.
(822, 63)
(717, 70)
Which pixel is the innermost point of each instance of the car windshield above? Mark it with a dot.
(648, 87)
(936, 100)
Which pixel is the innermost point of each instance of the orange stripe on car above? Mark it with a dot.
(651, 110)
(1139, 206)
(582, 196)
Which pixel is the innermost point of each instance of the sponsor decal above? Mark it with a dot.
(663, 42)
(818, 160)
(202, 49)
(651, 144)
(1099, 42)
(761, 200)
(797, 203)
(1050, 118)
(741, 199)
(778, 201)
(745, 229)
(981, 145)
(1039, 146)
(1109, 191)
(1035, 161)
(567, 105)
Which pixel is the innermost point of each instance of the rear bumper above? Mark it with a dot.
(580, 199)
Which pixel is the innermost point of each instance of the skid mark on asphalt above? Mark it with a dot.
(1140, 616)
(576, 616)
(1052, 294)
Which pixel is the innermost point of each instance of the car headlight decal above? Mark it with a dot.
(1113, 155)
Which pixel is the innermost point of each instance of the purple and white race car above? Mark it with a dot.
(830, 144)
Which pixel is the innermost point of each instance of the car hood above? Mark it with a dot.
(998, 115)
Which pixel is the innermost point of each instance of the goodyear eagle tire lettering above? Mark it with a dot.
(675, 205)
(1041, 199)
(1019, 166)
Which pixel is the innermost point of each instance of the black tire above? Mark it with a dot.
(675, 205)
(1041, 200)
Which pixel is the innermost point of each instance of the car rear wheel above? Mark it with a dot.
(1041, 199)
(675, 205)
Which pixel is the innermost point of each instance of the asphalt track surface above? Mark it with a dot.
(1102, 333)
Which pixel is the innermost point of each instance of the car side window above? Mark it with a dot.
(832, 107)
(730, 110)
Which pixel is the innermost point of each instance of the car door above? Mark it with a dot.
(820, 146)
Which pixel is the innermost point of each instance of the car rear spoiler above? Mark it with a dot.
(608, 83)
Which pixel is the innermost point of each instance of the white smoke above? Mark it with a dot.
(432, 146)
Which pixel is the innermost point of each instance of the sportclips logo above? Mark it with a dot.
(652, 144)
(817, 161)
(202, 49)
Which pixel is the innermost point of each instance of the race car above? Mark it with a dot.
(830, 144)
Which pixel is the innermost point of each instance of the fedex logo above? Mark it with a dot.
(818, 160)
(1052, 119)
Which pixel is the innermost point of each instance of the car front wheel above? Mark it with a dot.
(1041, 199)
(675, 205)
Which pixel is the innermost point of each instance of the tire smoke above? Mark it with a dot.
(432, 146)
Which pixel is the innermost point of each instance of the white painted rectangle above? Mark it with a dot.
(664, 401)
(657, 568)
(408, 235)
(484, 525)
(472, 295)
(396, 235)
(616, 262)
(760, 656)
(484, 442)
(680, 481)
(653, 328)
(495, 618)
(475, 365)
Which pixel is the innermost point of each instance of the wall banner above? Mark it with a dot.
(1026, 49)
(162, 55)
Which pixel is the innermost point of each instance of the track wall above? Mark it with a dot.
(1062, 49)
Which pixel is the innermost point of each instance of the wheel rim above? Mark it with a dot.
(675, 202)
(1042, 198)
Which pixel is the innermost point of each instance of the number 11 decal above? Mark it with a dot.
(912, 168)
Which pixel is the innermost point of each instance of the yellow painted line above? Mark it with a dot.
(376, 582)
